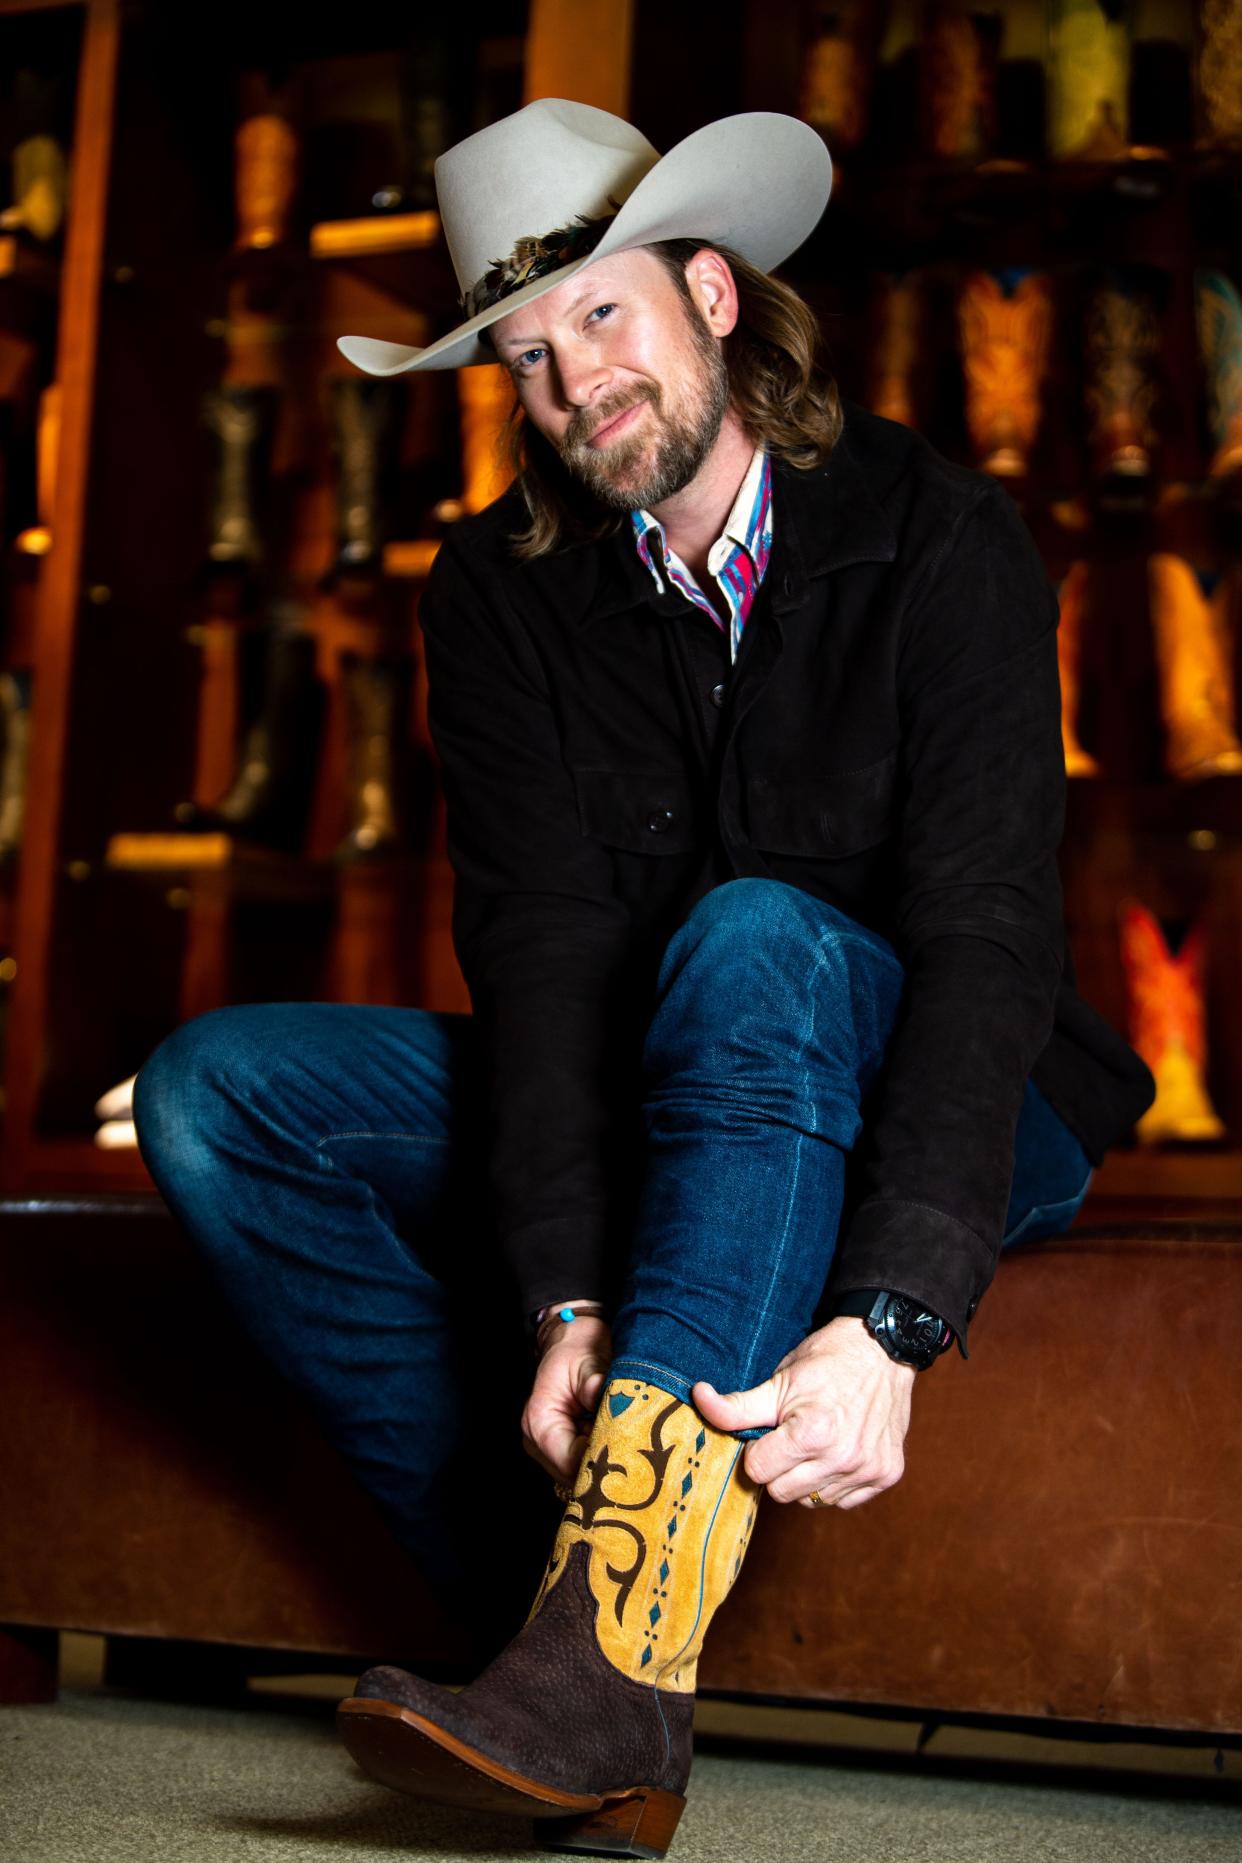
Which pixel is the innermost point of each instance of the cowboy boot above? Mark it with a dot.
(1196, 680)
(1122, 340)
(365, 435)
(436, 69)
(15, 692)
(837, 69)
(897, 317)
(1088, 81)
(1005, 326)
(1218, 316)
(269, 799)
(1072, 595)
(378, 698)
(485, 396)
(1219, 75)
(266, 157)
(242, 419)
(1168, 1027)
(40, 166)
(584, 1721)
(958, 89)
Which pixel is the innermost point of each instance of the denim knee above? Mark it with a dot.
(186, 1083)
(738, 973)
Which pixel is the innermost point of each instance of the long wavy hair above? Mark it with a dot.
(779, 387)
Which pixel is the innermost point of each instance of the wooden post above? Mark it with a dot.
(581, 49)
(60, 596)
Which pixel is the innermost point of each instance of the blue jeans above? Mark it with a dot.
(326, 1159)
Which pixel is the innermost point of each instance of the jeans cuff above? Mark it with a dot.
(668, 1380)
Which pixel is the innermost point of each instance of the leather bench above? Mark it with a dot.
(1066, 1543)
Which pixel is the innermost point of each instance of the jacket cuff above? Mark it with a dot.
(911, 1248)
(553, 1257)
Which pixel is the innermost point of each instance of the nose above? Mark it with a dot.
(582, 376)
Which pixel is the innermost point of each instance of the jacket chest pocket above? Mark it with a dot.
(831, 815)
(644, 812)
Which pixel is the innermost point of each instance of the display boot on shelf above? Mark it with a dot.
(585, 1719)
(365, 413)
(1218, 317)
(1072, 596)
(958, 83)
(1168, 1027)
(40, 166)
(15, 688)
(268, 801)
(1089, 51)
(1121, 341)
(485, 396)
(897, 321)
(241, 418)
(837, 66)
(1196, 672)
(377, 707)
(437, 66)
(1005, 329)
(1219, 74)
(266, 169)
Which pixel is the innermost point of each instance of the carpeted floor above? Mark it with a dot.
(104, 1777)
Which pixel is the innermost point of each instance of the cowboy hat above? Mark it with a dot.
(523, 188)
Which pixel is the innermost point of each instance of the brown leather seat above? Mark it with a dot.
(1065, 1541)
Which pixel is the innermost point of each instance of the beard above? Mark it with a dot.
(635, 473)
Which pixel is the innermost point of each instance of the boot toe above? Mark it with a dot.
(387, 1683)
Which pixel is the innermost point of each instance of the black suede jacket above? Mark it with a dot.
(889, 740)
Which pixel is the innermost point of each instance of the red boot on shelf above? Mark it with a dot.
(1196, 675)
(1167, 1026)
(1072, 593)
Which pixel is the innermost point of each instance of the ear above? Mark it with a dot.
(714, 290)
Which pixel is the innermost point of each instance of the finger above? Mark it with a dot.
(801, 1445)
(738, 1410)
(858, 1495)
(549, 1437)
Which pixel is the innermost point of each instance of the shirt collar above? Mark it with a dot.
(743, 527)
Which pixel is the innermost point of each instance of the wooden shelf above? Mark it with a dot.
(1181, 1174)
(1209, 805)
(403, 255)
(377, 233)
(25, 265)
(411, 560)
(219, 863)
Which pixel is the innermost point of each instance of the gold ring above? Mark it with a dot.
(564, 1490)
(815, 1498)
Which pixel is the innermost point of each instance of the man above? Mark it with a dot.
(747, 707)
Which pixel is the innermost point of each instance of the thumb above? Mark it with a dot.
(590, 1385)
(739, 1410)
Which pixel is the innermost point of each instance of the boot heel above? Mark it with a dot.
(639, 1825)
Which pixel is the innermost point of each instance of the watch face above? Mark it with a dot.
(915, 1333)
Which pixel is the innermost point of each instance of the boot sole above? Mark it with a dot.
(402, 1749)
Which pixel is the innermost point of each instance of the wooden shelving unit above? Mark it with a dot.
(117, 924)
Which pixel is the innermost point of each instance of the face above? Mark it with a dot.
(622, 376)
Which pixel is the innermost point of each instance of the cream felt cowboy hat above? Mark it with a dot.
(514, 196)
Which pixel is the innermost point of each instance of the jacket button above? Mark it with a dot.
(718, 693)
(787, 584)
(659, 820)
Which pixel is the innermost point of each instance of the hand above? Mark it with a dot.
(841, 1407)
(557, 1419)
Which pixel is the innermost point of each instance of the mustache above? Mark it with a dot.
(587, 421)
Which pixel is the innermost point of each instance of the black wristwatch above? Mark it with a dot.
(907, 1330)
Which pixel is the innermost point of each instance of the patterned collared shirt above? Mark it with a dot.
(737, 560)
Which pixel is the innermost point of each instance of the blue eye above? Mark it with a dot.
(601, 310)
(527, 357)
